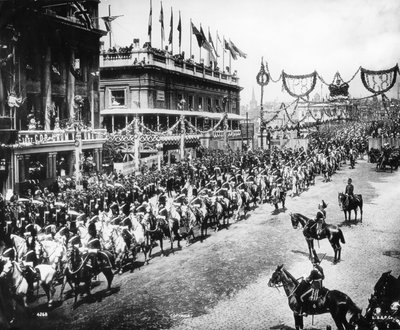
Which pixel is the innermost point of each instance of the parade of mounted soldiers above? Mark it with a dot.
(178, 182)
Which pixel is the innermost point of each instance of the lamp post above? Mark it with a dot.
(263, 80)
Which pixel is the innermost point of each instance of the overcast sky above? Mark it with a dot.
(297, 36)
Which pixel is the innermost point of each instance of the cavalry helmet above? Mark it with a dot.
(9, 253)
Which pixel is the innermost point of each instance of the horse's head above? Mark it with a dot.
(277, 277)
(341, 199)
(295, 220)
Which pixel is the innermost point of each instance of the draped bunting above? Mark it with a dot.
(299, 85)
(379, 82)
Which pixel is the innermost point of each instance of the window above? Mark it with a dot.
(217, 106)
(191, 101)
(117, 98)
(200, 104)
(209, 104)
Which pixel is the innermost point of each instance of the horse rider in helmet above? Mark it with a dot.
(349, 192)
(320, 217)
(315, 280)
(7, 258)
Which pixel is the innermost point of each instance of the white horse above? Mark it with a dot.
(239, 210)
(52, 252)
(13, 274)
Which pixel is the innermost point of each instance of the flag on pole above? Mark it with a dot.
(237, 50)
(206, 45)
(198, 35)
(161, 20)
(212, 43)
(179, 28)
(171, 23)
(107, 21)
(218, 38)
(227, 46)
(150, 22)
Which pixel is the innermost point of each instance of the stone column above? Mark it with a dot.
(26, 166)
(46, 88)
(21, 166)
(71, 84)
(96, 158)
(100, 159)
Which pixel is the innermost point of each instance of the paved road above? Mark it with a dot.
(222, 282)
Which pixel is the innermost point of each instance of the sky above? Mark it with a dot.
(294, 36)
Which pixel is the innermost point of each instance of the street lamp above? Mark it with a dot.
(263, 80)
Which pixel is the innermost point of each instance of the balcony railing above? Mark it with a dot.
(36, 137)
(145, 57)
(231, 133)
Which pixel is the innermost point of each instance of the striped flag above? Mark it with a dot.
(179, 28)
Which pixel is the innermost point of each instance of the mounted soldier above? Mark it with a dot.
(349, 192)
(320, 217)
(93, 246)
(315, 281)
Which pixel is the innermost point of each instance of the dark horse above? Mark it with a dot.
(331, 232)
(334, 302)
(80, 270)
(353, 204)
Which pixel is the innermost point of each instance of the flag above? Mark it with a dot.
(150, 22)
(107, 21)
(237, 50)
(171, 26)
(212, 43)
(227, 46)
(161, 20)
(179, 28)
(198, 35)
(206, 45)
(218, 38)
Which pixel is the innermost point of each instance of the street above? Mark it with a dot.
(222, 282)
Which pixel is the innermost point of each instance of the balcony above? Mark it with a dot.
(152, 57)
(42, 138)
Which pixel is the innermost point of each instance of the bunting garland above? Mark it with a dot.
(379, 82)
(299, 85)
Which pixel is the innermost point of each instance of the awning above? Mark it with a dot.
(157, 111)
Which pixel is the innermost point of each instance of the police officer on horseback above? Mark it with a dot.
(349, 192)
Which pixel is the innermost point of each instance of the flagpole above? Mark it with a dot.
(150, 22)
(180, 33)
(216, 47)
(162, 27)
(109, 15)
(191, 34)
(223, 54)
(200, 50)
(172, 35)
(209, 55)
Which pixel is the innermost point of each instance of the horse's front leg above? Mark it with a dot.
(298, 322)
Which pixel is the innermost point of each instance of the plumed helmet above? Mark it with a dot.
(324, 205)
(9, 253)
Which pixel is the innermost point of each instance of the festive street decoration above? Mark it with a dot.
(299, 85)
(379, 82)
(338, 89)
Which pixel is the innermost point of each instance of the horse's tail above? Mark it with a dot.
(341, 236)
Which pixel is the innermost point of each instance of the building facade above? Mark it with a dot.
(176, 101)
(49, 89)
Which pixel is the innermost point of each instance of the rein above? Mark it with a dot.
(80, 267)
